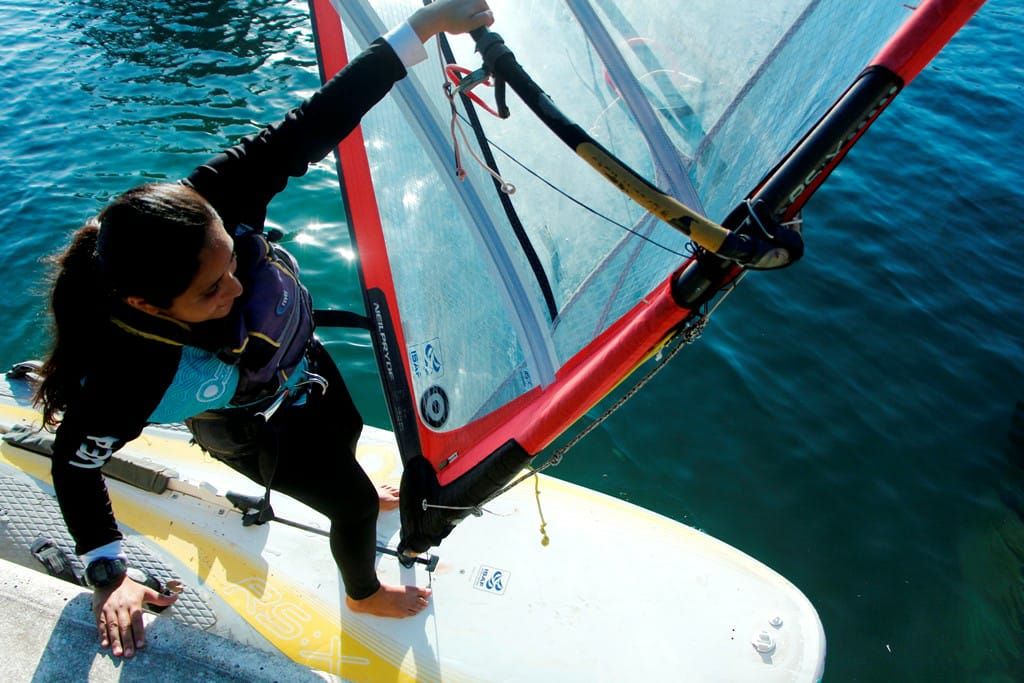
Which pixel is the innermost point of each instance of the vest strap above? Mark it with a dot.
(331, 318)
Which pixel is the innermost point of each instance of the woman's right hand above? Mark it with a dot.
(118, 612)
(450, 16)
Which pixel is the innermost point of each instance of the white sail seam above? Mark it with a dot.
(755, 77)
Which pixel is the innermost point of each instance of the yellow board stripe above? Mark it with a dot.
(306, 631)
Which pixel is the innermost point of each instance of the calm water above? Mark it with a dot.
(847, 422)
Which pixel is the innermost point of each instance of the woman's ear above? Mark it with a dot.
(143, 305)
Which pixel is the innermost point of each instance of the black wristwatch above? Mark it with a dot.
(105, 571)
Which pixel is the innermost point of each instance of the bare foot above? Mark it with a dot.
(392, 601)
(388, 497)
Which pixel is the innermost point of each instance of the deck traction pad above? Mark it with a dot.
(27, 513)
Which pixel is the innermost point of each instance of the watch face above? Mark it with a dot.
(104, 571)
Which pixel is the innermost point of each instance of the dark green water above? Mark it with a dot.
(847, 422)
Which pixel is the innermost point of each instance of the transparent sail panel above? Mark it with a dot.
(702, 97)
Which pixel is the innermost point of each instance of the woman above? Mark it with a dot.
(171, 305)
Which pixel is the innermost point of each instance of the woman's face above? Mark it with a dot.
(215, 287)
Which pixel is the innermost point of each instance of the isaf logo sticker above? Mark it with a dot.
(426, 359)
(491, 580)
(432, 358)
(434, 406)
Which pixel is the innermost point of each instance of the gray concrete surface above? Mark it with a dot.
(47, 633)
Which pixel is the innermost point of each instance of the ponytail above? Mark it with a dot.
(79, 297)
(145, 244)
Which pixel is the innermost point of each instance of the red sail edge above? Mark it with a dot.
(524, 427)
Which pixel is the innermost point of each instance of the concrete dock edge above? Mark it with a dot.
(47, 633)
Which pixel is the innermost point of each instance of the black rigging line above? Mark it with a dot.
(580, 203)
(506, 201)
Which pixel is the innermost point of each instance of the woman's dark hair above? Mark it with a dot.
(145, 243)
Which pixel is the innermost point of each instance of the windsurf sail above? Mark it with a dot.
(499, 319)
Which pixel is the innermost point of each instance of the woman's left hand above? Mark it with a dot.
(450, 16)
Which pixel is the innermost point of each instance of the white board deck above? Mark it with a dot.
(619, 593)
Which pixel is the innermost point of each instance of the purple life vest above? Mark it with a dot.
(274, 324)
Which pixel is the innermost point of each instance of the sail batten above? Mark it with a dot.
(422, 118)
(669, 159)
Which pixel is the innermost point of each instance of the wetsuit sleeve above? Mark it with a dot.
(111, 410)
(241, 181)
(78, 454)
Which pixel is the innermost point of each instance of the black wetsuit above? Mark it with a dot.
(308, 449)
